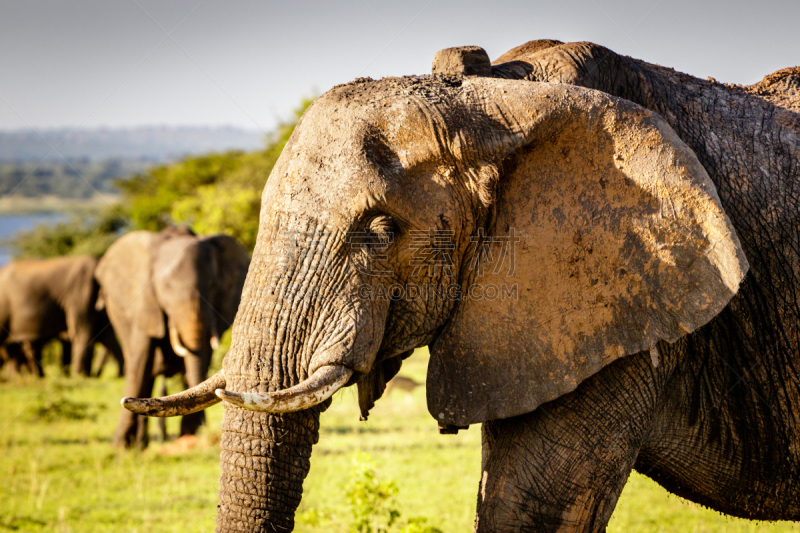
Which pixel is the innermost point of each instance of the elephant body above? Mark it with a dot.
(646, 315)
(169, 295)
(41, 300)
(720, 427)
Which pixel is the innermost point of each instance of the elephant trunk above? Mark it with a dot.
(297, 338)
(188, 325)
(264, 460)
(195, 370)
(188, 337)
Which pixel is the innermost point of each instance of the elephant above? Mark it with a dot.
(42, 300)
(169, 295)
(600, 253)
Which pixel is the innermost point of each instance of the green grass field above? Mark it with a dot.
(58, 471)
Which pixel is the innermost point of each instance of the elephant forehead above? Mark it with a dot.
(360, 141)
(179, 252)
(357, 141)
(327, 161)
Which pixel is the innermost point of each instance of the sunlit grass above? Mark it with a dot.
(60, 473)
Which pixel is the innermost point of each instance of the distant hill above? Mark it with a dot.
(150, 143)
(77, 178)
(94, 158)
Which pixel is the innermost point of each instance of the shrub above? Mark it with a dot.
(374, 502)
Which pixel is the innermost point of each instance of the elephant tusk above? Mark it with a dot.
(316, 389)
(175, 341)
(184, 403)
(214, 335)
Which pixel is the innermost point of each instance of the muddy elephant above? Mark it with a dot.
(43, 300)
(170, 295)
(601, 287)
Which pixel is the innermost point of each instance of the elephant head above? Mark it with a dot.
(196, 286)
(173, 291)
(381, 229)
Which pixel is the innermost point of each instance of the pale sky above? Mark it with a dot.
(211, 62)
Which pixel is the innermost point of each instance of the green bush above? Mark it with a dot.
(374, 503)
(56, 406)
(419, 525)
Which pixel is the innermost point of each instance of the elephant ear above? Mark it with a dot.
(604, 236)
(231, 263)
(125, 276)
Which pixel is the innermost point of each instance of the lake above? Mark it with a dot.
(11, 224)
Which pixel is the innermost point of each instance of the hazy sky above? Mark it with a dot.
(245, 63)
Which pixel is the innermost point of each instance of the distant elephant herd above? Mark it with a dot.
(653, 321)
(157, 302)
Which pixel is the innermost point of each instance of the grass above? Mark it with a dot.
(60, 473)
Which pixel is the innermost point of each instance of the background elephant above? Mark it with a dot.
(42, 300)
(629, 322)
(169, 295)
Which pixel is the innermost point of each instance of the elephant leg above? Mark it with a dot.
(33, 357)
(562, 467)
(108, 339)
(15, 357)
(113, 347)
(101, 359)
(190, 424)
(195, 374)
(82, 351)
(132, 428)
(66, 356)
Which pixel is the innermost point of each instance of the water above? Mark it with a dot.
(11, 224)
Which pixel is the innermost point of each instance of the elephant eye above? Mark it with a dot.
(383, 227)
